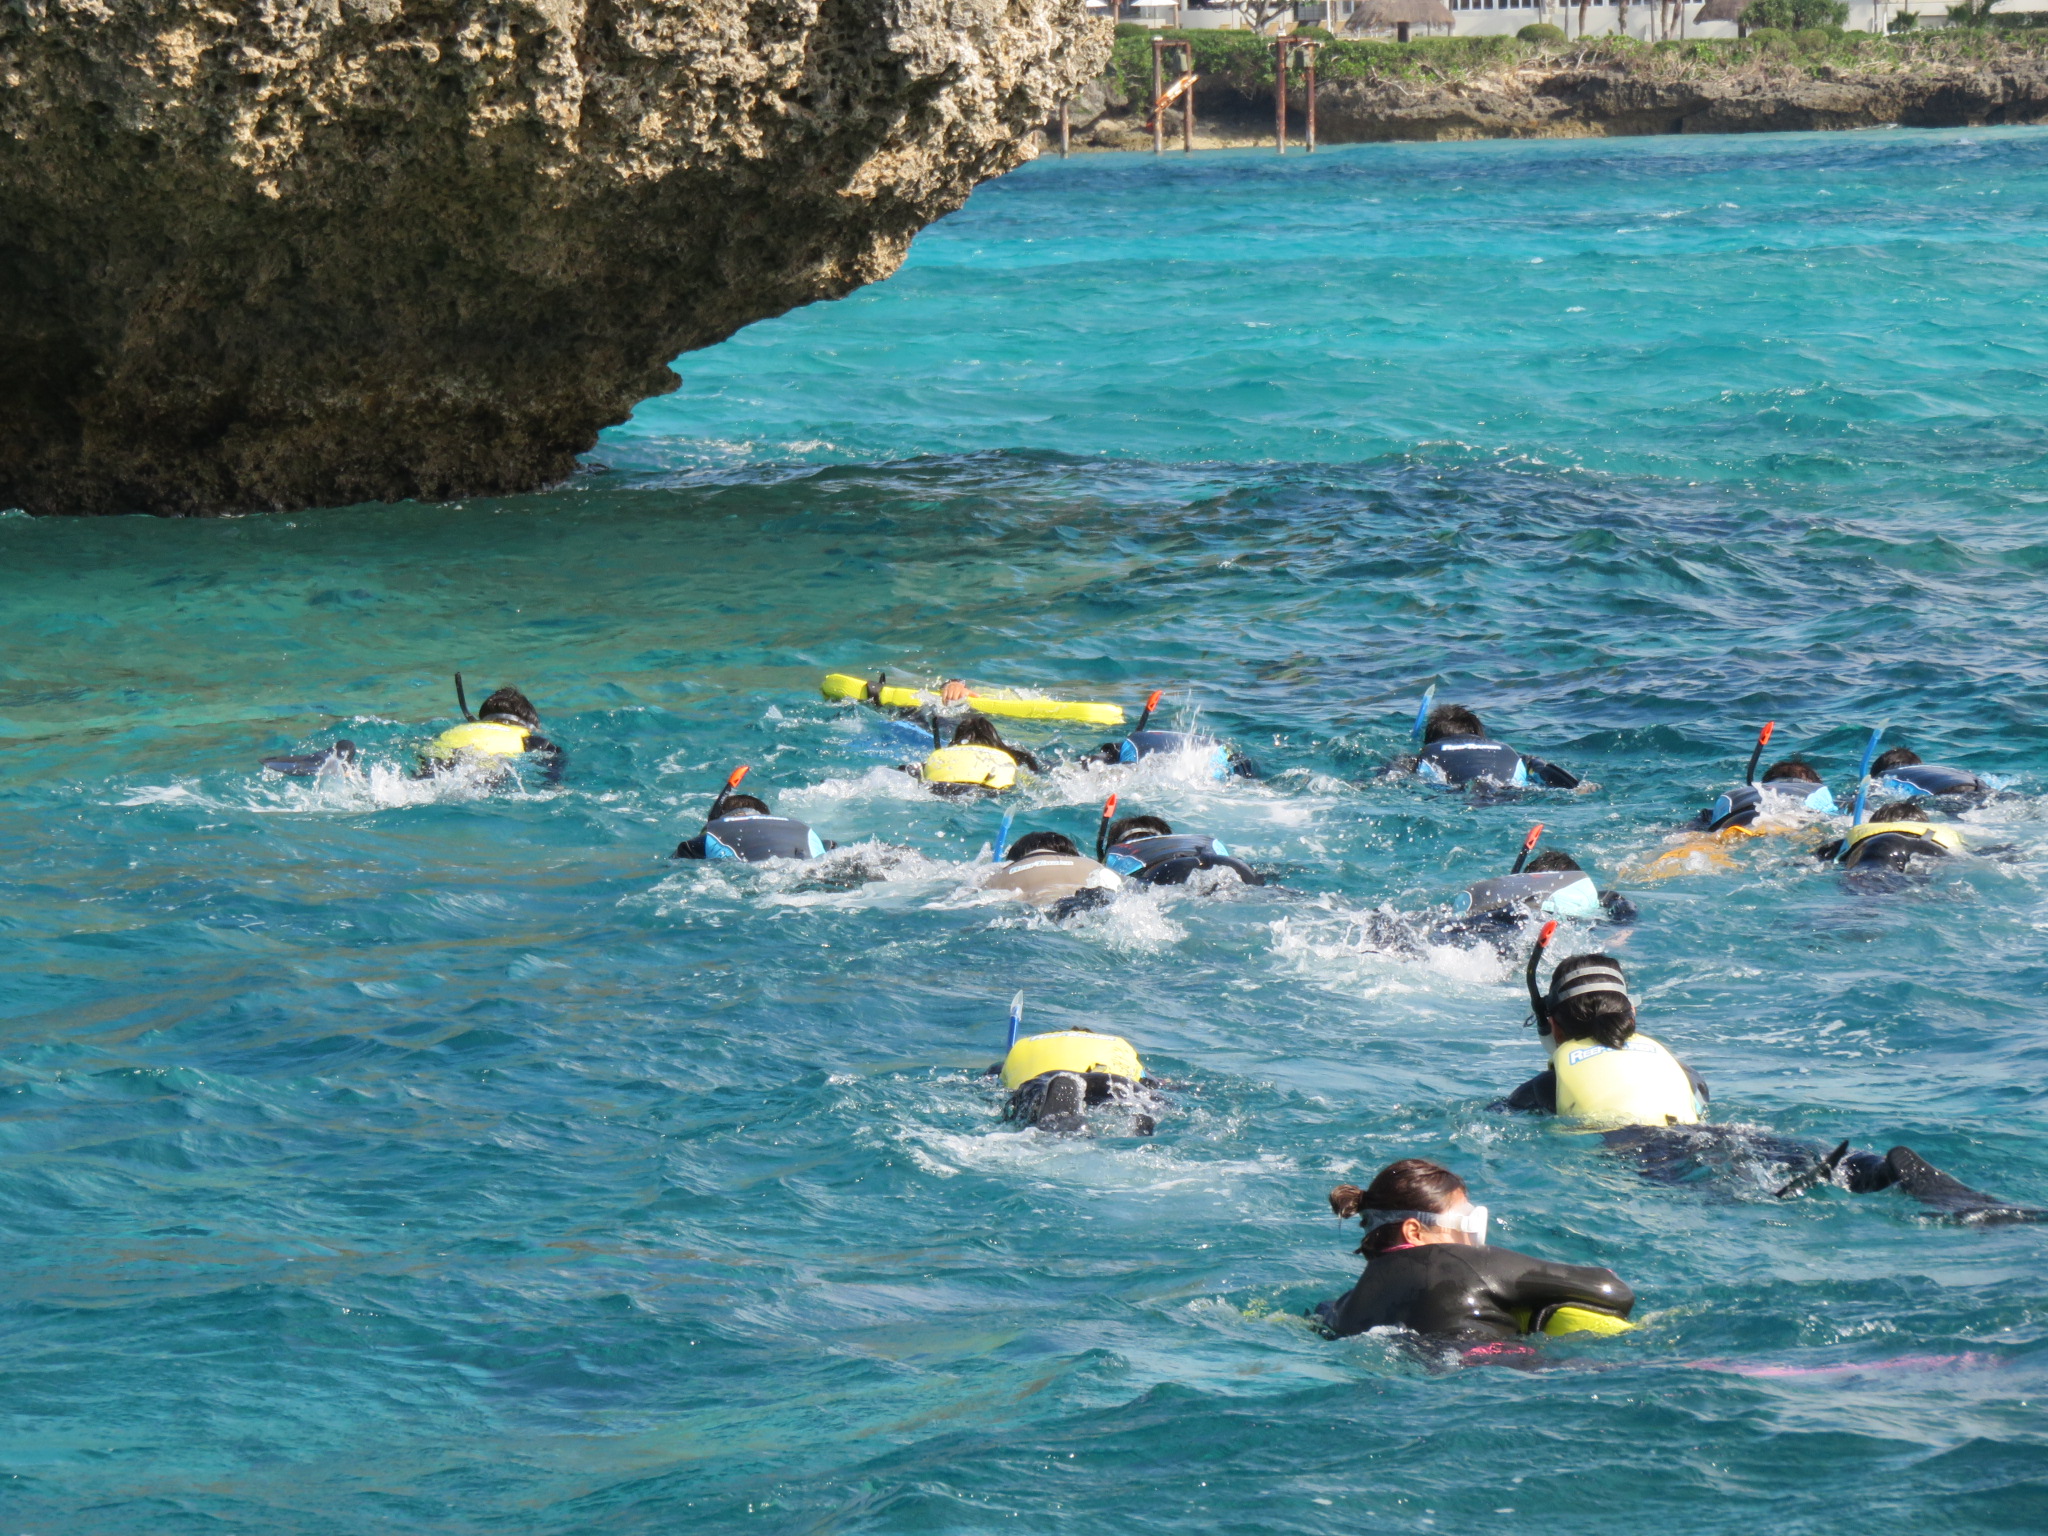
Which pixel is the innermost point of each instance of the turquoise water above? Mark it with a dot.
(427, 1158)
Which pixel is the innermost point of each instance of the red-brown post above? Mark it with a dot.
(1158, 89)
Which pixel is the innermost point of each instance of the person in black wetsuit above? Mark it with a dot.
(1147, 851)
(1457, 751)
(1900, 771)
(742, 827)
(1428, 1268)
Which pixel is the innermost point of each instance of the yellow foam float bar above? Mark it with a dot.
(1011, 706)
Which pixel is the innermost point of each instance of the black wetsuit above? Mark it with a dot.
(1468, 1295)
(1055, 1101)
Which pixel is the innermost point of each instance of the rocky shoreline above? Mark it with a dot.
(1606, 92)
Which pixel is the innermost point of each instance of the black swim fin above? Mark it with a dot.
(312, 764)
(1822, 1172)
(1952, 1197)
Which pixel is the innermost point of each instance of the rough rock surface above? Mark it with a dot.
(1546, 100)
(283, 253)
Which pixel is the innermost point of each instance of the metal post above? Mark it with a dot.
(1158, 90)
(1066, 132)
(1280, 95)
(1187, 100)
(1311, 98)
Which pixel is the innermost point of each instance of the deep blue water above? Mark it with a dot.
(423, 1158)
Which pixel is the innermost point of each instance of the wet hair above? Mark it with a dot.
(1043, 842)
(1608, 1017)
(976, 730)
(742, 803)
(1898, 757)
(1793, 768)
(1451, 720)
(1900, 810)
(510, 707)
(1412, 1184)
(1149, 825)
(1550, 859)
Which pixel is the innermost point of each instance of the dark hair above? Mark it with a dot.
(1898, 757)
(742, 803)
(1412, 1184)
(1607, 1017)
(1791, 768)
(1548, 860)
(1900, 810)
(976, 730)
(1125, 826)
(1451, 720)
(1043, 842)
(510, 706)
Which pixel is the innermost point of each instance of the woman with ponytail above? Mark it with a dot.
(1428, 1268)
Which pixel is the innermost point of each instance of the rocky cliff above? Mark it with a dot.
(282, 253)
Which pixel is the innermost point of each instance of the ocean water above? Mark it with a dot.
(382, 1155)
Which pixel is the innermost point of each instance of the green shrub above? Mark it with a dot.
(1813, 39)
(1770, 39)
(1794, 15)
(1905, 21)
(1541, 32)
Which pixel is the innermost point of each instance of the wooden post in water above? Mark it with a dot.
(1187, 100)
(1066, 132)
(1158, 89)
(1311, 96)
(1280, 95)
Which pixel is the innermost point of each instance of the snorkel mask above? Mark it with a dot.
(1471, 1221)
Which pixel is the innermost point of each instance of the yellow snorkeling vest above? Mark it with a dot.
(985, 766)
(479, 738)
(1071, 1050)
(1943, 837)
(1640, 1084)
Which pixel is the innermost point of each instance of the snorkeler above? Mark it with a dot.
(1553, 884)
(1606, 1075)
(1224, 761)
(1054, 1079)
(1047, 870)
(506, 729)
(741, 827)
(1783, 801)
(977, 761)
(1457, 751)
(1428, 1269)
(1147, 851)
(1900, 772)
(1895, 836)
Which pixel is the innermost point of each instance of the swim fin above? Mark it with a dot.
(1951, 1197)
(313, 764)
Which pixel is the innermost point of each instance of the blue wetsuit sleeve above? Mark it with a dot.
(691, 847)
(1619, 908)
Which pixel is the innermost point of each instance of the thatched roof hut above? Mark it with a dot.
(1721, 10)
(1376, 15)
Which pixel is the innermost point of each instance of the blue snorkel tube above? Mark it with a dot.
(1862, 789)
(1016, 1021)
(1422, 711)
(1002, 843)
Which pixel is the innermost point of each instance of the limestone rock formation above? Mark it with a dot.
(283, 253)
(1543, 99)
